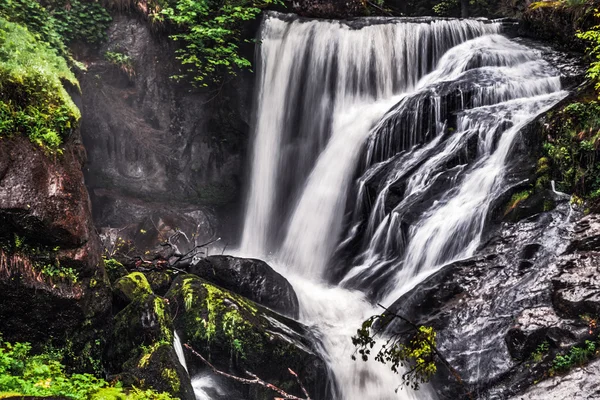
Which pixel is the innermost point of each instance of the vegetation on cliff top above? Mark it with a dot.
(211, 33)
(34, 101)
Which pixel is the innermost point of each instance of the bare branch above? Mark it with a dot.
(255, 381)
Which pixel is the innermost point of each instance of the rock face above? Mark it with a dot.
(580, 384)
(51, 270)
(160, 152)
(251, 278)
(535, 282)
(238, 335)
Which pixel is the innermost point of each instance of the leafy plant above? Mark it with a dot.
(37, 20)
(571, 149)
(210, 31)
(34, 101)
(415, 351)
(78, 20)
(540, 351)
(575, 357)
(121, 60)
(25, 374)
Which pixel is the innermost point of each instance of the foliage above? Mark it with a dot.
(451, 8)
(37, 20)
(121, 60)
(44, 259)
(572, 148)
(34, 101)
(540, 351)
(516, 199)
(29, 374)
(415, 351)
(79, 20)
(576, 356)
(210, 31)
(59, 22)
(592, 37)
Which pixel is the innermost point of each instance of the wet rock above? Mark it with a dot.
(493, 310)
(160, 281)
(250, 278)
(538, 325)
(159, 149)
(129, 287)
(578, 384)
(238, 335)
(577, 287)
(51, 270)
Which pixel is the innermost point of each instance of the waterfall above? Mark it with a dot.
(379, 147)
(179, 351)
(310, 74)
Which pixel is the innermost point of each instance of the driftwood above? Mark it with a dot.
(255, 379)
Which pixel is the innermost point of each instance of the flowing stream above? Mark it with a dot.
(379, 147)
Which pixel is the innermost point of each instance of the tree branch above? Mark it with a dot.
(255, 381)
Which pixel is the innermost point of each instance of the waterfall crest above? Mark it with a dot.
(312, 72)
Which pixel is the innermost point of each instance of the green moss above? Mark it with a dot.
(34, 102)
(516, 199)
(133, 286)
(147, 353)
(171, 376)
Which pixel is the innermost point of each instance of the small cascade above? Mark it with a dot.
(179, 350)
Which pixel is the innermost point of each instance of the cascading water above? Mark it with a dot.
(179, 351)
(425, 113)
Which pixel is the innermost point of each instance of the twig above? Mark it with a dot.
(255, 381)
(299, 383)
(379, 8)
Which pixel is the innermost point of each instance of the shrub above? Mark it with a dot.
(210, 32)
(26, 374)
(34, 101)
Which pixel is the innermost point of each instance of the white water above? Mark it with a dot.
(179, 351)
(324, 90)
(312, 71)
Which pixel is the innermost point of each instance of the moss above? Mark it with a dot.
(132, 286)
(34, 101)
(137, 330)
(516, 199)
(159, 281)
(114, 269)
(236, 334)
(170, 375)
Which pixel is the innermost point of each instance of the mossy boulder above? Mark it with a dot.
(160, 281)
(132, 286)
(140, 348)
(238, 335)
(251, 278)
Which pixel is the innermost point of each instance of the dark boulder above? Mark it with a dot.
(238, 335)
(250, 278)
(160, 152)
